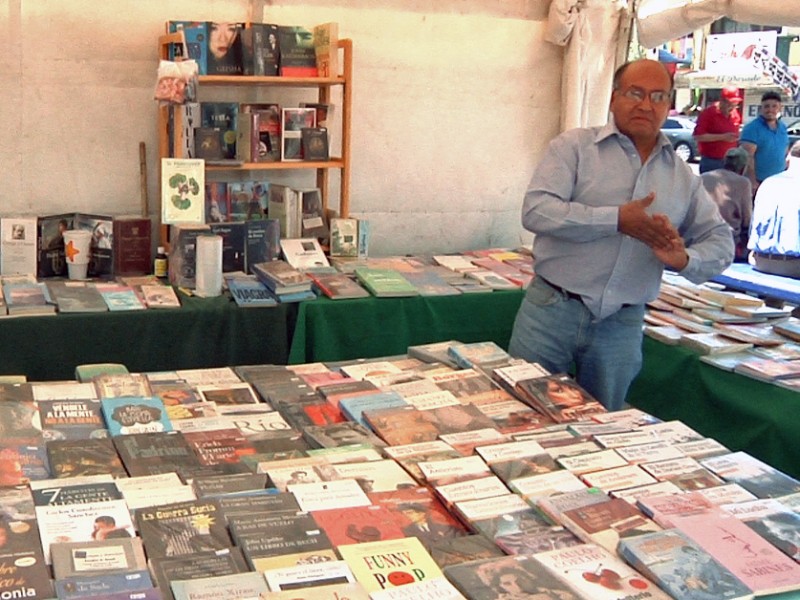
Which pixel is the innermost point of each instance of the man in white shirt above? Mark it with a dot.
(775, 231)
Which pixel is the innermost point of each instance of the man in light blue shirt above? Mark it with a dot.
(766, 140)
(610, 207)
(775, 230)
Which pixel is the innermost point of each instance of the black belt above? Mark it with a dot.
(571, 295)
(566, 293)
(775, 256)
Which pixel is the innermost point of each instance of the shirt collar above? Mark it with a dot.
(610, 129)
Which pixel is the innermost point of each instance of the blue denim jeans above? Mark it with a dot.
(560, 332)
(709, 164)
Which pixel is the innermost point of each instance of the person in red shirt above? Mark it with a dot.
(717, 129)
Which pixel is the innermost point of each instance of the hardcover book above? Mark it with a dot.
(326, 49)
(314, 142)
(328, 494)
(338, 286)
(336, 591)
(467, 548)
(132, 246)
(183, 253)
(262, 242)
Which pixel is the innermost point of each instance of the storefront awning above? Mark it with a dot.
(712, 78)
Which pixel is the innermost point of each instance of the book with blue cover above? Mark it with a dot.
(681, 567)
(195, 33)
(249, 292)
(354, 407)
(127, 415)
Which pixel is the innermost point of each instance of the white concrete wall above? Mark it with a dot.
(453, 102)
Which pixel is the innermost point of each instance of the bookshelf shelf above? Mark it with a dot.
(169, 147)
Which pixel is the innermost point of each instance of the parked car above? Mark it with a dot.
(679, 131)
(794, 131)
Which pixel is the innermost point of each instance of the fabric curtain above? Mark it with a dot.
(592, 33)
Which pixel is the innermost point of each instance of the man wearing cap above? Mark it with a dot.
(717, 129)
(733, 194)
(766, 140)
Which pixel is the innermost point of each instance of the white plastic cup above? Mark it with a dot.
(77, 249)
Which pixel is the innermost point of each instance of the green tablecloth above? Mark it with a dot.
(738, 411)
(330, 330)
(204, 332)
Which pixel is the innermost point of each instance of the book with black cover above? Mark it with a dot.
(94, 456)
(262, 242)
(182, 528)
(25, 575)
(153, 453)
(261, 49)
(208, 563)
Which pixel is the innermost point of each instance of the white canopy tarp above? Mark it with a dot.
(660, 21)
(595, 36)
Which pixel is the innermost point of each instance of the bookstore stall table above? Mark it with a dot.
(204, 332)
(330, 330)
(740, 412)
(745, 278)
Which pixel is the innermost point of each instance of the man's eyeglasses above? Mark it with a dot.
(638, 95)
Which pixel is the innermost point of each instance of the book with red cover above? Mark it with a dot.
(356, 524)
(132, 246)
